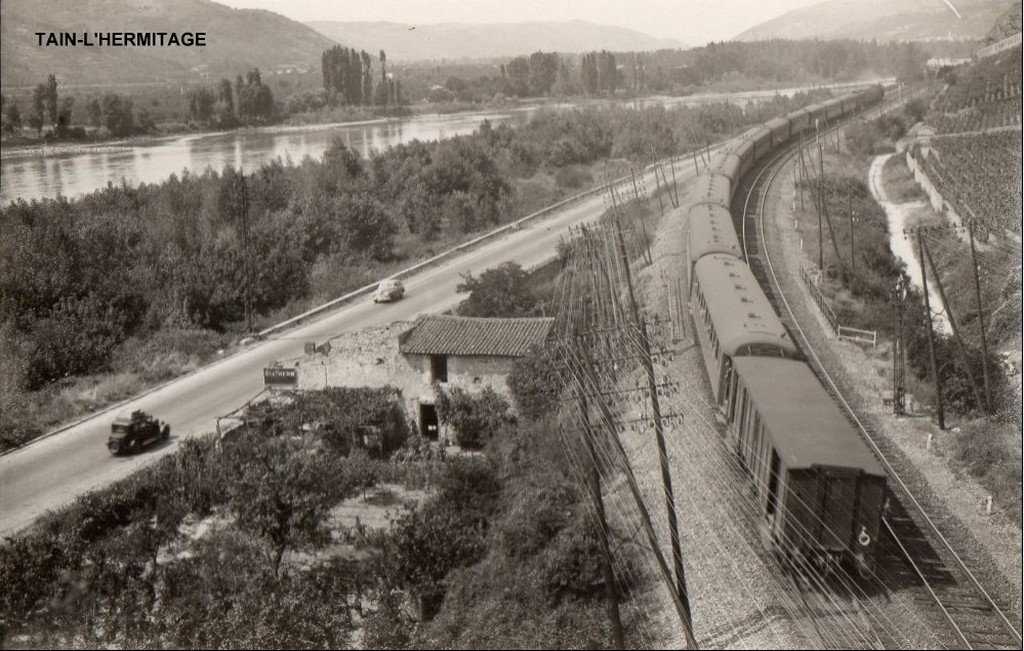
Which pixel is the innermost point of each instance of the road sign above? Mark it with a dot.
(278, 377)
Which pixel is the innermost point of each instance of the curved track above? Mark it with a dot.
(974, 617)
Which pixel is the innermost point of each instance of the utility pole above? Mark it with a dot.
(981, 318)
(821, 208)
(899, 357)
(940, 414)
(657, 186)
(659, 433)
(961, 348)
(594, 481)
(849, 214)
(243, 207)
(675, 186)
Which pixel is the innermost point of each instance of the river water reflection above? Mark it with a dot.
(34, 174)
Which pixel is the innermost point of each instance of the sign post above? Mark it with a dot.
(278, 377)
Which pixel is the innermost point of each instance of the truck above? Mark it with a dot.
(131, 431)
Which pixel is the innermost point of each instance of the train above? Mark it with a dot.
(820, 491)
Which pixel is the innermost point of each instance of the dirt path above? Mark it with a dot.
(902, 246)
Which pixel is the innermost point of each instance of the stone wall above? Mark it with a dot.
(371, 358)
(935, 197)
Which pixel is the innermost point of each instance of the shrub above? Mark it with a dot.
(473, 417)
(535, 384)
(573, 176)
(505, 291)
(536, 515)
(572, 563)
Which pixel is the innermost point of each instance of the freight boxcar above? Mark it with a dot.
(821, 490)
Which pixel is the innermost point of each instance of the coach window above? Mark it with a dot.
(773, 482)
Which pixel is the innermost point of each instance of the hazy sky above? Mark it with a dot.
(693, 22)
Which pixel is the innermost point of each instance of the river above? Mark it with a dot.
(72, 171)
(34, 173)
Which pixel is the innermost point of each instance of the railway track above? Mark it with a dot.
(915, 551)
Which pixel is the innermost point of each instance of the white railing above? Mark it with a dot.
(811, 276)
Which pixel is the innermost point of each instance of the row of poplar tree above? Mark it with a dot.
(348, 75)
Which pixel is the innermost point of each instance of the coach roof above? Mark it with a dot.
(806, 425)
(740, 312)
(710, 230)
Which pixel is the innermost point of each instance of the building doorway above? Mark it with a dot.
(428, 421)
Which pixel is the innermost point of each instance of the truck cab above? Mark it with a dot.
(131, 431)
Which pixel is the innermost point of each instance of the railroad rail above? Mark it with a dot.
(929, 561)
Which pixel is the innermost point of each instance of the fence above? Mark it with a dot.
(811, 277)
(996, 48)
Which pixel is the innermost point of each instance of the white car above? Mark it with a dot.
(389, 290)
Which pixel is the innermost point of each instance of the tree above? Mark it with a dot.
(117, 115)
(535, 384)
(201, 102)
(519, 76)
(255, 99)
(474, 418)
(588, 73)
(95, 112)
(37, 118)
(505, 291)
(67, 108)
(278, 495)
(50, 94)
(12, 117)
(543, 72)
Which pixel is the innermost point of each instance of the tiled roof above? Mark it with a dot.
(436, 334)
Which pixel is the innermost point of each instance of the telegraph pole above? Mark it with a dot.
(849, 215)
(659, 433)
(940, 414)
(899, 363)
(821, 207)
(961, 348)
(981, 318)
(594, 481)
(243, 207)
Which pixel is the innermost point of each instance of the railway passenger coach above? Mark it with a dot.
(820, 489)
(732, 318)
(709, 230)
(713, 189)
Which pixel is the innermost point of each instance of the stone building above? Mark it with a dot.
(466, 352)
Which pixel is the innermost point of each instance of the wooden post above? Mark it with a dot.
(899, 368)
(940, 414)
(849, 214)
(594, 482)
(657, 185)
(659, 433)
(964, 359)
(981, 319)
(821, 209)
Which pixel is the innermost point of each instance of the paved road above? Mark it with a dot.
(55, 470)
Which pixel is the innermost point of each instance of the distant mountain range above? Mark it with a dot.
(481, 41)
(237, 39)
(885, 20)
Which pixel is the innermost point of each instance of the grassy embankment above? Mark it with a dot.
(985, 447)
